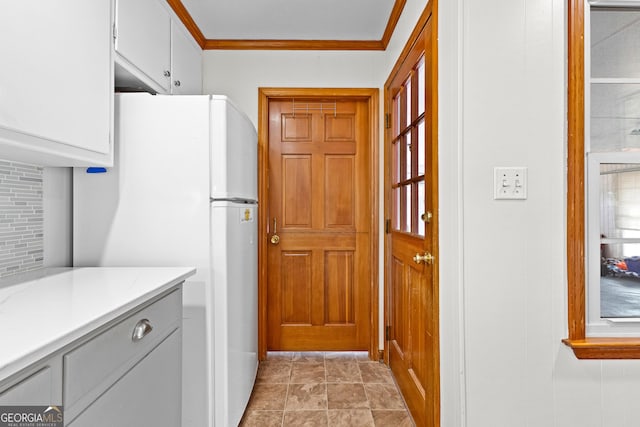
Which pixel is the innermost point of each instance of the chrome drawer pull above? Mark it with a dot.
(142, 329)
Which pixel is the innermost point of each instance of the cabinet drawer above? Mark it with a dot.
(91, 368)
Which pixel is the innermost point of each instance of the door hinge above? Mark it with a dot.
(387, 226)
(387, 333)
(387, 121)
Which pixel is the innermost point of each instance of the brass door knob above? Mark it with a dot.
(427, 258)
(275, 239)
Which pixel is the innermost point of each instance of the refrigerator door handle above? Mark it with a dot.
(234, 200)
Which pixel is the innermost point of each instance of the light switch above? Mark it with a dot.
(510, 183)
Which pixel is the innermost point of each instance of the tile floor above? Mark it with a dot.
(325, 389)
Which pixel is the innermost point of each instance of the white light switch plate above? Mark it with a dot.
(510, 183)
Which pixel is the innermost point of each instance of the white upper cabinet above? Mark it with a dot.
(186, 62)
(56, 82)
(154, 52)
(143, 43)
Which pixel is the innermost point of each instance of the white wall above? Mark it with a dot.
(514, 276)
(518, 373)
(238, 74)
(57, 195)
(502, 263)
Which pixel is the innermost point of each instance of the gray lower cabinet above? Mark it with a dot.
(147, 395)
(38, 387)
(126, 373)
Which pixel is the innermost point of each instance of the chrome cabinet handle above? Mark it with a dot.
(176, 83)
(167, 73)
(141, 330)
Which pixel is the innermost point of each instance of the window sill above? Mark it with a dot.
(605, 348)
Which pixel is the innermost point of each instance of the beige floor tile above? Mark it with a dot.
(350, 418)
(362, 356)
(375, 372)
(383, 418)
(308, 356)
(262, 419)
(333, 389)
(384, 396)
(305, 419)
(346, 355)
(347, 396)
(306, 396)
(308, 372)
(274, 372)
(280, 355)
(342, 371)
(268, 397)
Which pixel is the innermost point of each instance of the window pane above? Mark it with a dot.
(620, 282)
(408, 104)
(395, 125)
(615, 34)
(395, 173)
(421, 94)
(408, 210)
(407, 142)
(620, 240)
(615, 117)
(421, 159)
(421, 208)
(395, 214)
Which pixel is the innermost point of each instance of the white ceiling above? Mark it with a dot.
(291, 19)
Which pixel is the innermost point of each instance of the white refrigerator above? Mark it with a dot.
(183, 192)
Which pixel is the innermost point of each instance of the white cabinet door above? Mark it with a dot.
(143, 41)
(56, 81)
(186, 62)
(148, 395)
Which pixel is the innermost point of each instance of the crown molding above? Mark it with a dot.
(398, 6)
(294, 45)
(230, 44)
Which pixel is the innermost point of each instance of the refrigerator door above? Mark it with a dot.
(235, 300)
(234, 152)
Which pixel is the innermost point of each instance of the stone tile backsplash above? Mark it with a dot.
(21, 218)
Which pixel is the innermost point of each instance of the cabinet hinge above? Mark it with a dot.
(387, 226)
(114, 31)
(387, 121)
(387, 333)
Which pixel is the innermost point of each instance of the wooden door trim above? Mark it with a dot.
(371, 95)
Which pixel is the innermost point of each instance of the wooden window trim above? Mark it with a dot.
(584, 347)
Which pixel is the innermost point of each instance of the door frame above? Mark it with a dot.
(371, 95)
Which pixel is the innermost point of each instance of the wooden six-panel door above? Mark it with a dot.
(319, 290)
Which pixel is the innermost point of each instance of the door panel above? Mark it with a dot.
(339, 288)
(339, 202)
(296, 191)
(319, 291)
(296, 287)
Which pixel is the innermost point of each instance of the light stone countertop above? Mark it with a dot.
(43, 311)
